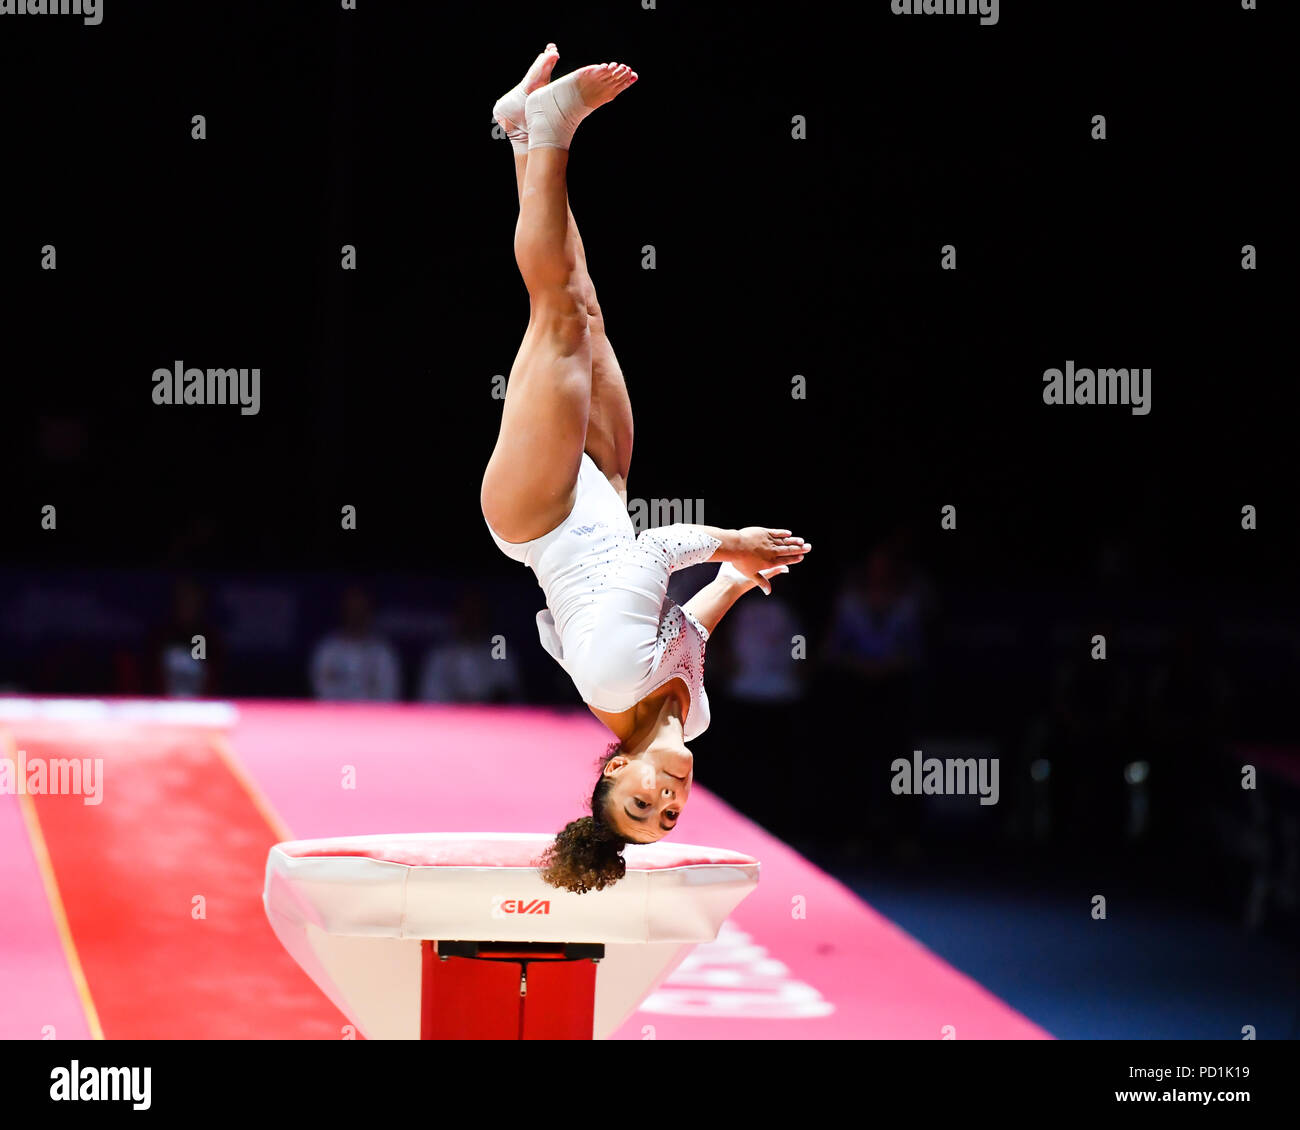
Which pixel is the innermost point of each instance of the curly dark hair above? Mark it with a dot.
(588, 854)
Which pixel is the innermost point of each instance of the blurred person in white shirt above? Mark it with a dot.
(354, 663)
(474, 665)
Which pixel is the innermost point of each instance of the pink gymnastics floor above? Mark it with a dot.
(98, 897)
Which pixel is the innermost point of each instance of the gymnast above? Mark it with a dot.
(554, 496)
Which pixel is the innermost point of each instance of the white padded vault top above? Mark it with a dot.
(331, 902)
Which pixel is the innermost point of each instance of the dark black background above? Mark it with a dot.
(775, 257)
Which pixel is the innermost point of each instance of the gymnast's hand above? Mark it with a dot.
(757, 548)
(737, 583)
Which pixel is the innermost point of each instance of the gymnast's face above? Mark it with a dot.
(649, 792)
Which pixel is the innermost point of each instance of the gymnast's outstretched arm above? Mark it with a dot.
(749, 550)
(715, 599)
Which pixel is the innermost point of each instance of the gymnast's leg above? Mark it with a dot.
(528, 487)
(609, 422)
(609, 419)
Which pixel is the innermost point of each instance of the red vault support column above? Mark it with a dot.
(507, 991)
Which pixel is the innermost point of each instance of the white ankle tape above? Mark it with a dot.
(509, 115)
(553, 113)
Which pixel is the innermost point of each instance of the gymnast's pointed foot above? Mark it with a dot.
(553, 111)
(509, 108)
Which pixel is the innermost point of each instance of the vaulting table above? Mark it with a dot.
(453, 935)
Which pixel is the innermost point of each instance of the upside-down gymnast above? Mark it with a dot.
(554, 496)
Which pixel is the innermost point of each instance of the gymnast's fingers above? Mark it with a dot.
(763, 578)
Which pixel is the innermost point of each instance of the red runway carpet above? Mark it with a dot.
(141, 916)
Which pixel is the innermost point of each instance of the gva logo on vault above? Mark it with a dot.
(503, 907)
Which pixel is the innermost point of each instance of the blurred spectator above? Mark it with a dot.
(875, 633)
(868, 665)
(1090, 737)
(469, 667)
(1189, 695)
(354, 663)
(758, 683)
(762, 670)
(186, 654)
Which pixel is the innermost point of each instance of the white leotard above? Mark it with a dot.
(608, 620)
